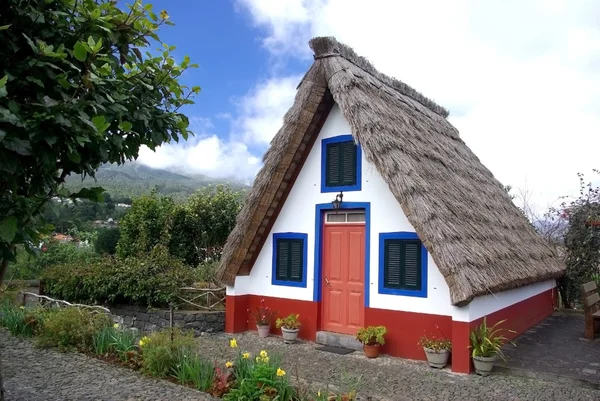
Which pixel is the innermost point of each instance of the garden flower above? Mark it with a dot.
(265, 359)
(144, 340)
(21, 307)
(280, 372)
(263, 354)
(116, 325)
(228, 364)
(246, 355)
(233, 343)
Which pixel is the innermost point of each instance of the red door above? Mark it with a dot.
(343, 278)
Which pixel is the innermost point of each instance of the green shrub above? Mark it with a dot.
(150, 280)
(72, 328)
(161, 351)
(102, 341)
(20, 321)
(106, 242)
(123, 342)
(192, 369)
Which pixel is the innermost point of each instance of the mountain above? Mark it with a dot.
(133, 179)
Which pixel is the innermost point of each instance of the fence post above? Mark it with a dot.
(171, 321)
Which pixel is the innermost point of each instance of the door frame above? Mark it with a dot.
(320, 210)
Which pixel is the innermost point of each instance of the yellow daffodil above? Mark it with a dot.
(228, 364)
(21, 307)
(116, 325)
(144, 340)
(319, 393)
(265, 359)
(257, 359)
(246, 355)
(233, 343)
(280, 372)
(263, 354)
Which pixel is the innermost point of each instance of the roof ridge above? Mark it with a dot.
(329, 46)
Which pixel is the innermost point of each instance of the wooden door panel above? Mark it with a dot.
(343, 278)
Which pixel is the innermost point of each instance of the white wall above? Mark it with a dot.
(298, 215)
(487, 304)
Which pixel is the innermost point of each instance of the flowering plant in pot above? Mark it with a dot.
(263, 316)
(486, 346)
(290, 326)
(372, 339)
(437, 350)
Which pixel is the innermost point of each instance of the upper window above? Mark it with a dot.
(289, 259)
(340, 164)
(402, 265)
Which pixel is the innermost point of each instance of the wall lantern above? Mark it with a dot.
(337, 203)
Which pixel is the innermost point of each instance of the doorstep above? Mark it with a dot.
(338, 340)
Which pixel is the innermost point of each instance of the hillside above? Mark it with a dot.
(133, 179)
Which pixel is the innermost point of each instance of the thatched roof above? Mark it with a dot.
(478, 238)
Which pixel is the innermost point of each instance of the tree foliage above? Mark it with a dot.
(106, 241)
(76, 92)
(194, 231)
(582, 241)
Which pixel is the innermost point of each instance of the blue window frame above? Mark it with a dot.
(289, 259)
(402, 265)
(341, 164)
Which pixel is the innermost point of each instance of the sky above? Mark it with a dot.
(521, 78)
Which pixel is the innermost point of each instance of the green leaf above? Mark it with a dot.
(19, 146)
(196, 89)
(2, 135)
(3, 81)
(125, 126)
(75, 157)
(35, 81)
(4, 27)
(49, 102)
(94, 194)
(98, 45)
(8, 228)
(79, 51)
(91, 42)
(100, 123)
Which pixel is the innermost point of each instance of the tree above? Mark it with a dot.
(76, 92)
(106, 242)
(144, 225)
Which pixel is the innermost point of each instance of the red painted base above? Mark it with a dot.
(404, 328)
(519, 318)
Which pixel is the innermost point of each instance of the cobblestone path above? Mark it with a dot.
(32, 374)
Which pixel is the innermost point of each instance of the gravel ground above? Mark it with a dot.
(33, 374)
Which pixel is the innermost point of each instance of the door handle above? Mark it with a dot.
(327, 281)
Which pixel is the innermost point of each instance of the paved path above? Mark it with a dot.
(388, 378)
(556, 347)
(32, 374)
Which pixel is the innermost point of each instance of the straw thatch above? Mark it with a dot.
(479, 240)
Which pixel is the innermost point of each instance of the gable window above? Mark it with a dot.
(289, 259)
(340, 164)
(402, 265)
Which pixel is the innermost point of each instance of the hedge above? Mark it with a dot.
(153, 279)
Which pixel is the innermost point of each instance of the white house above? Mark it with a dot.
(371, 210)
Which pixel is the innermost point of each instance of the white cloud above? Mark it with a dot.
(519, 77)
(261, 111)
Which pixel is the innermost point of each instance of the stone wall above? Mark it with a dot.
(154, 319)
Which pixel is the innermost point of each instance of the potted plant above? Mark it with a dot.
(372, 339)
(437, 350)
(486, 345)
(290, 326)
(263, 315)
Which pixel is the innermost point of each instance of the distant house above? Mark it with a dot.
(370, 210)
(62, 238)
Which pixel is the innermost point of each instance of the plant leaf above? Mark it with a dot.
(125, 126)
(100, 123)
(8, 228)
(79, 51)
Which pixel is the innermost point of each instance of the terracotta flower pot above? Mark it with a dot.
(371, 351)
(263, 330)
